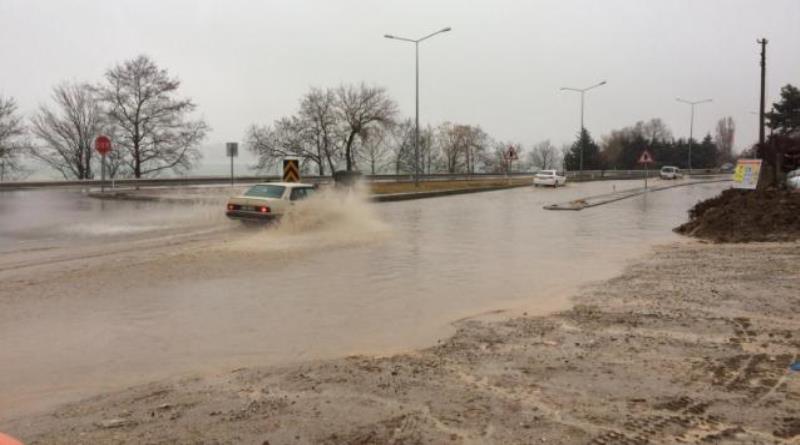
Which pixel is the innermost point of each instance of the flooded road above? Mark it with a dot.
(99, 295)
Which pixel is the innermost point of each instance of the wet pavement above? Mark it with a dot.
(97, 295)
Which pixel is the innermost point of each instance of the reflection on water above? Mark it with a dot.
(375, 278)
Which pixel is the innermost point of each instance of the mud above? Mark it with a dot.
(692, 345)
(746, 216)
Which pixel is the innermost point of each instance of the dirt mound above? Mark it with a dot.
(739, 216)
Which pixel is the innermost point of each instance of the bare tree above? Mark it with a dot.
(66, 133)
(654, 130)
(449, 140)
(474, 142)
(462, 147)
(544, 156)
(495, 160)
(12, 138)
(427, 153)
(153, 124)
(375, 148)
(270, 144)
(318, 113)
(724, 137)
(360, 108)
(565, 149)
(402, 146)
(312, 135)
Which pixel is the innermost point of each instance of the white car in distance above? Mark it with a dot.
(550, 178)
(669, 172)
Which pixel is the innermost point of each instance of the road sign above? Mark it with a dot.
(102, 144)
(232, 149)
(511, 153)
(746, 174)
(291, 170)
(645, 158)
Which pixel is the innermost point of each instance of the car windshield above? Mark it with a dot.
(547, 173)
(266, 191)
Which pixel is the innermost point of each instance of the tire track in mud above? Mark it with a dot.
(754, 376)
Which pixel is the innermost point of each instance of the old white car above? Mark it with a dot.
(549, 178)
(668, 172)
(267, 201)
(793, 179)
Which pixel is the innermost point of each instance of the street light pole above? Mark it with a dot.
(691, 124)
(416, 107)
(416, 116)
(583, 94)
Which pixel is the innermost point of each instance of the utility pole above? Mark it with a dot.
(763, 43)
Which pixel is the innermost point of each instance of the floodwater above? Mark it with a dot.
(99, 295)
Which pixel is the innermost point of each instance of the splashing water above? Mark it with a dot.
(330, 218)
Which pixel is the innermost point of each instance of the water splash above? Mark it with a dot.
(331, 217)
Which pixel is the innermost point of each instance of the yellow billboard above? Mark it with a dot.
(746, 174)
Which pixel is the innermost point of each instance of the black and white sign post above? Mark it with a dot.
(232, 151)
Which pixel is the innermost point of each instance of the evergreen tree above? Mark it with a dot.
(705, 154)
(591, 154)
(785, 115)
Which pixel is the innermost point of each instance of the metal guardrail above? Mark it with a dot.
(586, 175)
(222, 180)
(589, 175)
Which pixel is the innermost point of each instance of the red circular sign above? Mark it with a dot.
(102, 144)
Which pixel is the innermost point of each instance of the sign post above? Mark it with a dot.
(102, 144)
(510, 156)
(646, 159)
(232, 151)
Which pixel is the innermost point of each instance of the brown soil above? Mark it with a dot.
(692, 345)
(737, 216)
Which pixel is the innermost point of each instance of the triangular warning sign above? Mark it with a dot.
(645, 158)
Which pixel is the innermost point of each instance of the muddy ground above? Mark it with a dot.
(692, 345)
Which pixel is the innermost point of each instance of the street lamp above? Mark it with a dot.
(691, 123)
(583, 92)
(416, 114)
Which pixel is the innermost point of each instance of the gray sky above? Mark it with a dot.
(247, 62)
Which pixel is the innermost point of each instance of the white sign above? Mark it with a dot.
(645, 158)
(746, 174)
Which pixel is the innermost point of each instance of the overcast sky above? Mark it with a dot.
(501, 67)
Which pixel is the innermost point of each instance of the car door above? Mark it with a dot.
(298, 193)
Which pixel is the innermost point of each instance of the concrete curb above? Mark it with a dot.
(392, 197)
(585, 203)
